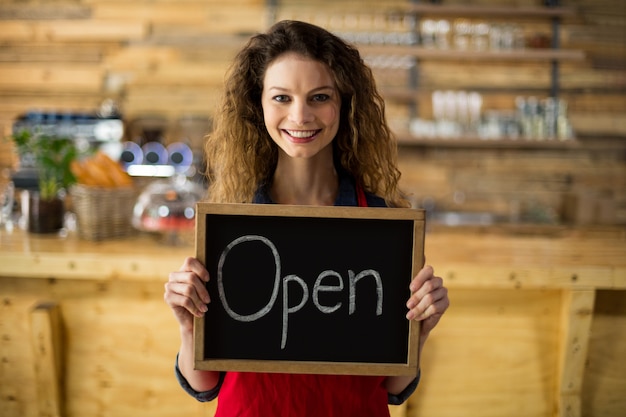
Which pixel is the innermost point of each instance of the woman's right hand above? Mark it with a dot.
(186, 293)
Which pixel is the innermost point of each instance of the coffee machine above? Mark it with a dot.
(101, 129)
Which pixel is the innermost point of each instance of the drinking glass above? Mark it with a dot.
(7, 198)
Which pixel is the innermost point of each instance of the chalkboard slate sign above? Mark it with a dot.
(302, 289)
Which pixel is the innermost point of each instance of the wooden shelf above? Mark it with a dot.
(412, 95)
(617, 144)
(424, 92)
(482, 11)
(454, 54)
(478, 143)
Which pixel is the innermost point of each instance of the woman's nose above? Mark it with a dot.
(300, 113)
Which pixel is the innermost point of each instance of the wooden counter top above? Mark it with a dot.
(465, 257)
(140, 257)
(513, 258)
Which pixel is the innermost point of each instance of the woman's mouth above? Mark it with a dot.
(301, 136)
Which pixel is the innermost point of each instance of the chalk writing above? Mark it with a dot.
(318, 288)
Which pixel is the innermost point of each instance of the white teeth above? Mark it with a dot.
(301, 133)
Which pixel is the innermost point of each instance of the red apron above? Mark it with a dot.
(246, 394)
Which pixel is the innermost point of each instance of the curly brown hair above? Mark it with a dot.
(240, 152)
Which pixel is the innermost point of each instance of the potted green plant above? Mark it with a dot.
(51, 157)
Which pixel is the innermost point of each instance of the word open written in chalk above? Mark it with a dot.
(321, 286)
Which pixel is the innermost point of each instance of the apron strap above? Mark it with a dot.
(360, 195)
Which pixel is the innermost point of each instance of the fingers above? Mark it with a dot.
(186, 288)
(194, 265)
(422, 276)
(434, 303)
(184, 295)
(429, 297)
(191, 280)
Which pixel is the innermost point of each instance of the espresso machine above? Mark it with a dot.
(101, 129)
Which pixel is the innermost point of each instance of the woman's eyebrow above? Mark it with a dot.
(284, 89)
(324, 87)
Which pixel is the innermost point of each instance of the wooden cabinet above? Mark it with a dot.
(535, 326)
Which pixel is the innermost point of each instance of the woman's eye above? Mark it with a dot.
(321, 97)
(281, 98)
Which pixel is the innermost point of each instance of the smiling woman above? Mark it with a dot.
(269, 69)
(301, 123)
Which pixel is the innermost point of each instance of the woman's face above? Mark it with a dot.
(301, 105)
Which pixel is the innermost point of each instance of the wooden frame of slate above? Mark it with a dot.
(303, 289)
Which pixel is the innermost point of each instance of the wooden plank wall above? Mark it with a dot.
(168, 58)
(113, 364)
(165, 57)
(530, 318)
(603, 383)
(108, 349)
(520, 186)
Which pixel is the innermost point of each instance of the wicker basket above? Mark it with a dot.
(103, 213)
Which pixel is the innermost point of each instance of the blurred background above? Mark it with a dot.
(510, 117)
(506, 111)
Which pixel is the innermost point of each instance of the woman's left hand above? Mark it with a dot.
(428, 301)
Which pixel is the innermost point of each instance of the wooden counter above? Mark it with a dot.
(536, 327)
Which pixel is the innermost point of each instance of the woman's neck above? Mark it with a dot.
(311, 181)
